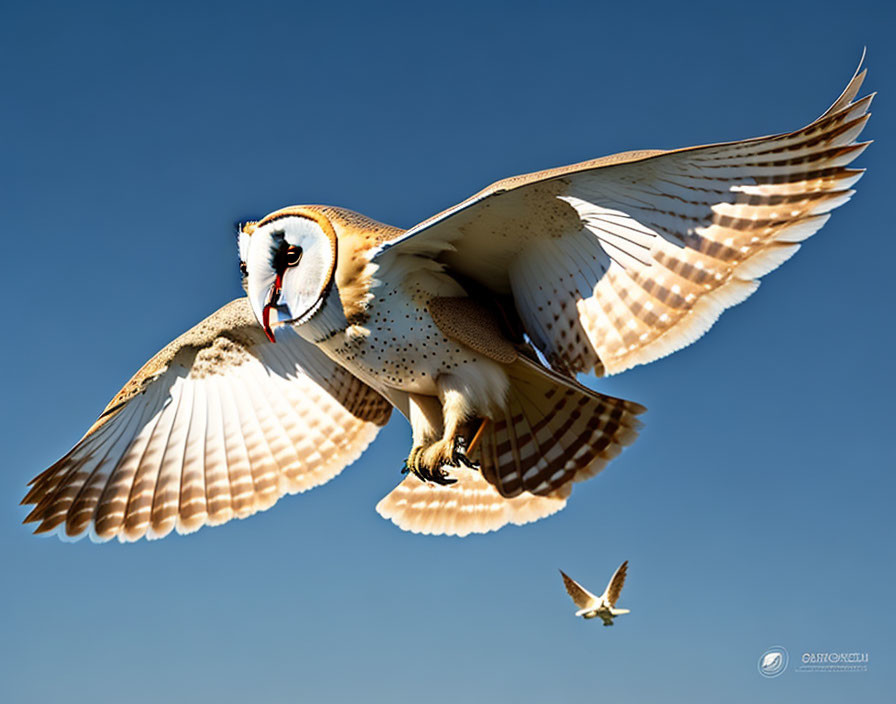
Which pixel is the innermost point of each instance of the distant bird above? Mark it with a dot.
(473, 324)
(603, 606)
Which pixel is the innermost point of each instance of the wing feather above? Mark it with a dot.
(218, 485)
(238, 464)
(143, 491)
(111, 511)
(166, 487)
(192, 512)
(220, 424)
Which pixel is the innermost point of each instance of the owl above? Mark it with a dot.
(473, 324)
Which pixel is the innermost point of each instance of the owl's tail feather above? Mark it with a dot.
(552, 431)
(470, 505)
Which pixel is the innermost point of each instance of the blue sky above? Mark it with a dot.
(755, 509)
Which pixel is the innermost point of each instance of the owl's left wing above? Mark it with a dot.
(622, 260)
(218, 425)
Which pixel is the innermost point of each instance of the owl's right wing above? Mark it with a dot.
(218, 425)
(580, 596)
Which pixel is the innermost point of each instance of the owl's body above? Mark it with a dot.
(380, 329)
(472, 324)
(400, 351)
(393, 343)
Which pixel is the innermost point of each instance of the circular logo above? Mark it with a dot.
(773, 661)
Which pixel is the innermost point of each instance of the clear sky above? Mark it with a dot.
(756, 509)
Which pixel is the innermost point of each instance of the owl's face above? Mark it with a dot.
(288, 258)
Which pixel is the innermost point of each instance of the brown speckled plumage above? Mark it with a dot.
(470, 323)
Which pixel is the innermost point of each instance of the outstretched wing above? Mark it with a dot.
(616, 582)
(469, 505)
(622, 260)
(218, 425)
(580, 596)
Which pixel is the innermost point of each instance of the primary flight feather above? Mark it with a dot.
(473, 324)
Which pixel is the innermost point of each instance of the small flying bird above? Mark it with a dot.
(473, 324)
(603, 606)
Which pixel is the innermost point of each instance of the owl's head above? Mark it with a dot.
(288, 259)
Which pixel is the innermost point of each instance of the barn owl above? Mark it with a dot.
(593, 606)
(473, 324)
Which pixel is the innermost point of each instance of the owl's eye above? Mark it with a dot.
(243, 270)
(293, 255)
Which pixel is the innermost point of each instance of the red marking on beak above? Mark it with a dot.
(273, 297)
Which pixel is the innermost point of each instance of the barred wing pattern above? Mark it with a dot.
(219, 425)
(622, 260)
(551, 431)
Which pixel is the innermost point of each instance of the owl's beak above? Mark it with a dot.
(273, 299)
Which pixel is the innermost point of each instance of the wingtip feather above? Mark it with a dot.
(852, 89)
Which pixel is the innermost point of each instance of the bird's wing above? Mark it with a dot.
(470, 505)
(622, 260)
(580, 596)
(218, 425)
(615, 585)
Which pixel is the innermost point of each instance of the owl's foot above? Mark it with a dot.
(426, 462)
(424, 472)
(447, 451)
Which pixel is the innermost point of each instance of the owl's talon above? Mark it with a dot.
(462, 459)
(441, 477)
(459, 455)
(426, 465)
(459, 459)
